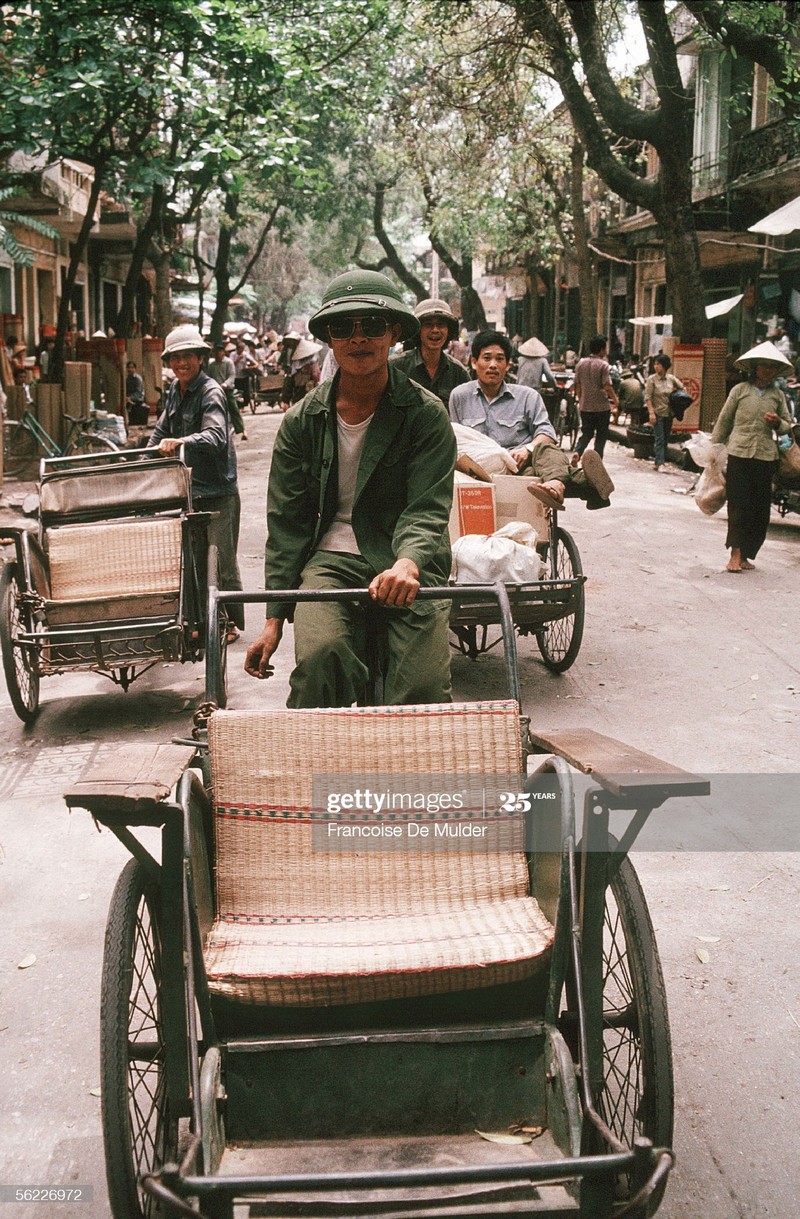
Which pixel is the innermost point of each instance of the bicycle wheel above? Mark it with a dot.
(21, 677)
(90, 442)
(20, 449)
(560, 641)
(138, 1131)
(638, 1092)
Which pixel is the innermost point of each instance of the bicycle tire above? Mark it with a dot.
(90, 442)
(20, 449)
(22, 679)
(637, 1097)
(560, 641)
(138, 1132)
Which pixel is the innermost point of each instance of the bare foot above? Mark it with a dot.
(747, 565)
(734, 566)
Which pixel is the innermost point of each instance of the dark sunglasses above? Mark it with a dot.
(370, 327)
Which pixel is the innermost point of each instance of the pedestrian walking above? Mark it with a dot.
(658, 387)
(753, 412)
(533, 368)
(595, 396)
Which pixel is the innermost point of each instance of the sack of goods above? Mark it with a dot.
(490, 457)
(711, 491)
(508, 555)
(789, 462)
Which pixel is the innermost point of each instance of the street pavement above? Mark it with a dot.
(679, 659)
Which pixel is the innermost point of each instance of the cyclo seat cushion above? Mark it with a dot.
(301, 925)
(125, 558)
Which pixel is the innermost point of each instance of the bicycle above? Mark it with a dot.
(26, 439)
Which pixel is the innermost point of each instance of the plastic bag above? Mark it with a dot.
(711, 491)
(700, 448)
(490, 455)
(508, 555)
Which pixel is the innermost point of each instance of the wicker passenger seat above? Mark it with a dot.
(301, 925)
(124, 569)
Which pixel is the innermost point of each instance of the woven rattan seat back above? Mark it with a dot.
(115, 490)
(301, 924)
(113, 560)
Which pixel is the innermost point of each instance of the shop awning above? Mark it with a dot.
(777, 224)
(718, 309)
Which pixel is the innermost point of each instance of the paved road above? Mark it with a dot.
(679, 659)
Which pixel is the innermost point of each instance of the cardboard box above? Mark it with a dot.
(513, 502)
(481, 508)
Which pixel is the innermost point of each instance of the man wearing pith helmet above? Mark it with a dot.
(359, 495)
(195, 415)
(428, 363)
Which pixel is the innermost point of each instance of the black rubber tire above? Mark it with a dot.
(560, 641)
(21, 679)
(20, 450)
(138, 1133)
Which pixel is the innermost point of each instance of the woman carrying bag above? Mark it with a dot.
(753, 412)
(658, 387)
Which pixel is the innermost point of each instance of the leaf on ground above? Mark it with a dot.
(720, 889)
(27, 961)
(94, 1091)
(703, 955)
(708, 939)
(83, 897)
(504, 1138)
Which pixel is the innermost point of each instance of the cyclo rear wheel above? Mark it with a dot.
(560, 641)
(21, 676)
(138, 1131)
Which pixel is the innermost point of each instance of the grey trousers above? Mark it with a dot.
(223, 532)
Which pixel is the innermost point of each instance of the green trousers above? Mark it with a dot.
(330, 642)
(548, 462)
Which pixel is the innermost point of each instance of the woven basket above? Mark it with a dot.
(113, 560)
(302, 926)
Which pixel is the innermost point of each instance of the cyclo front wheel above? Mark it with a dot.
(560, 641)
(138, 1131)
(22, 679)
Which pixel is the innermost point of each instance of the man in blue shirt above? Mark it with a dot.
(516, 418)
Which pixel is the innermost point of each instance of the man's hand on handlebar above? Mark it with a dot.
(397, 586)
(169, 445)
(256, 662)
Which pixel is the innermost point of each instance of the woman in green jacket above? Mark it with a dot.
(753, 412)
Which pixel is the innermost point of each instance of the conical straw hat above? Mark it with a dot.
(766, 353)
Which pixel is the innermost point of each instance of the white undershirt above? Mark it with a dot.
(350, 438)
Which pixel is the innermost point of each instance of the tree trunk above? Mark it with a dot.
(684, 274)
(583, 258)
(140, 251)
(56, 367)
(163, 294)
(222, 271)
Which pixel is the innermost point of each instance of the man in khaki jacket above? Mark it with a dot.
(359, 495)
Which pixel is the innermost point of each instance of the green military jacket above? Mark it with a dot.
(404, 488)
(449, 374)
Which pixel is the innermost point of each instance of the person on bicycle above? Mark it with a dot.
(533, 368)
(195, 415)
(427, 362)
(360, 491)
(516, 418)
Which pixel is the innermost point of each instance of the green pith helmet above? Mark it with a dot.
(363, 292)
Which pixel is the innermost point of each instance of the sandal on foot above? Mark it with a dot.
(546, 497)
(232, 634)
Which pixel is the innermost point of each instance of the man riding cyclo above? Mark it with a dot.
(516, 418)
(359, 495)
